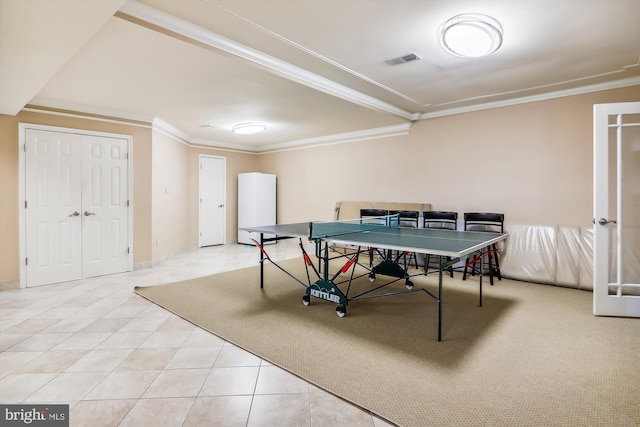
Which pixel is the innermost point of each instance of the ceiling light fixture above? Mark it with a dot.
(248, 128)
(471, 35)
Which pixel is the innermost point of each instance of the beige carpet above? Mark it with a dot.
(532, 355)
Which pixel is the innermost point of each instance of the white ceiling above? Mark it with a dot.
(315, 71)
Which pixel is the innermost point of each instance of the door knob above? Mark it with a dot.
(604, 221)
(220, 206)
(89, 213)
(76, 213)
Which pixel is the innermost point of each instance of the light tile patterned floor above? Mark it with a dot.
(118, 359)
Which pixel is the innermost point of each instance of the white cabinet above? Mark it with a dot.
(256, 203)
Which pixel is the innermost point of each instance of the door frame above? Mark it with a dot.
(22, 129)
(224, 196)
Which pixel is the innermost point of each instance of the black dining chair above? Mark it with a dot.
(486, 222)
(408, 219)
(441, 220)
(368, 213)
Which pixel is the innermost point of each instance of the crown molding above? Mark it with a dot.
(169, 130)
(342, 138)
(616, 84)
(156, 123)
(72, 110)
(87, 110)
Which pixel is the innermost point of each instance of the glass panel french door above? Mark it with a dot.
(617, 209)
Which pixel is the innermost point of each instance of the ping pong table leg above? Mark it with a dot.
(440, 298)
(325, 257)
(480, 280)
(261, 261)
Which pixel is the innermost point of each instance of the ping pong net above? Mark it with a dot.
(322, 229)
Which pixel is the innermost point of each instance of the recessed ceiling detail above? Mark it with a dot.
(226, 62)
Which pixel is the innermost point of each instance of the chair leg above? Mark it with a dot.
(427, 262)
(472, 266)
(494, 265)
(406, 261)
(496, 262)
(490, 269)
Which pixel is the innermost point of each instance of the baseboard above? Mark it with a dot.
(167, 257)
(7, 286)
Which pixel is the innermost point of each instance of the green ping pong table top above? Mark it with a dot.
(451, 243)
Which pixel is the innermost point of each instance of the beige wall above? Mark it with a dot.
(533, 162)
(9, 184)
(170, 195)
(9, 267)
(175, 192)
(160, 163)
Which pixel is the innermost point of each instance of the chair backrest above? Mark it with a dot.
(440, 219)
(407, 218)
(373, 212)
(484, 221)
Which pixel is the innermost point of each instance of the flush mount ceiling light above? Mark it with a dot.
(248, 128)
(471, 35)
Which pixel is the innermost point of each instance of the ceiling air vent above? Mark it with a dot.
(402, 59)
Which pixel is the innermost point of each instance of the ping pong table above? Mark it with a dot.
(389, 239)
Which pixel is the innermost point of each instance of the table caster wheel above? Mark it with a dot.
(372, 277)
(306, 300)
(408, 284)
(341, 310)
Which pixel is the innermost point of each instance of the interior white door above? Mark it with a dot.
(76, 210)
(105, 206)
(616, 290)
(52, 207)
(212, 184)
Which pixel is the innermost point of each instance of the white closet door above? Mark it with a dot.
(76, 213)
(104, 206)
(53, 205)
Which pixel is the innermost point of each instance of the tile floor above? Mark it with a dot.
(119, 360)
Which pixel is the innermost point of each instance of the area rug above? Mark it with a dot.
(531, 355)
